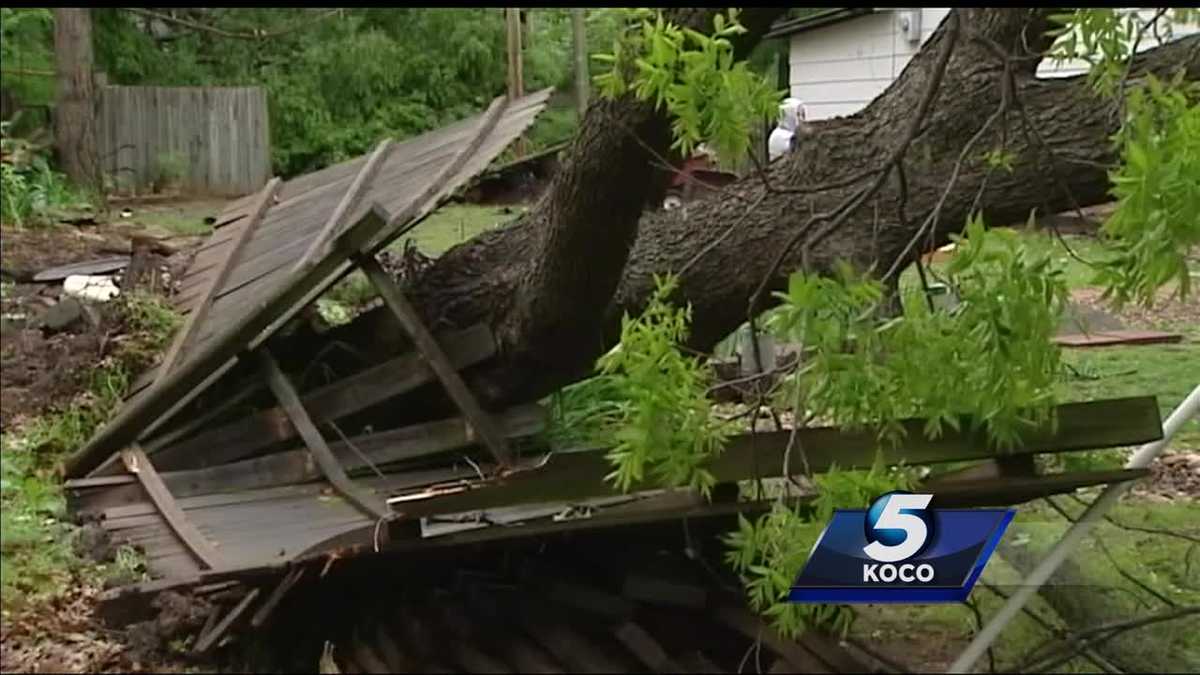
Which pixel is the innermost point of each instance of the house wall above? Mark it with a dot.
(838, 69)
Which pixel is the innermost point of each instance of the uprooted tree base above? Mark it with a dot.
(554, 284)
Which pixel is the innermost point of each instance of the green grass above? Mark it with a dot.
(1074, 255)
(455, 223)
(184, 218)
(1168, 371)
(939, 632)
(448, 226)
(36, 557)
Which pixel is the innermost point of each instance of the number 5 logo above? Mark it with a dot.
(887, 514)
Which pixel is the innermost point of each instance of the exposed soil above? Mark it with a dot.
(42, 369)
(1173, 477)
(1167, 313)
(65, 636)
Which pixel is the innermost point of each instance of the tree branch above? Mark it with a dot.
(257, 34)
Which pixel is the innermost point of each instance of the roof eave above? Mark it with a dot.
(794, 26)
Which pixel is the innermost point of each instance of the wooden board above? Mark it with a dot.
(240, 438)
(1117, 337)
(480, 421)
(574, 475)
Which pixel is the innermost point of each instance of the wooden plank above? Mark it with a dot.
(1117, 337)
(264, 611)
(570, 475)
(243, 392)
(481, 421)
(138, 464)
(643, 645)
(353, 195)
(376, 384)
(697, 662)
(569, 647)
(294, 466)
(658, 591)
(210, 639)
(753, 628)
(1010, 490)
(369, 504)
(200, 311)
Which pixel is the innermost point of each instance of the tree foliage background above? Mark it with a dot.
(337, 80)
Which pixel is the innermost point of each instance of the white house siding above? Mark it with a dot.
(838, 69)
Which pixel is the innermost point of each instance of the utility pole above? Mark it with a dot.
(516, 79)
(581, 63)
(74, 114)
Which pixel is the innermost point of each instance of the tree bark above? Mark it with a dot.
(555, 283)
(74, 112)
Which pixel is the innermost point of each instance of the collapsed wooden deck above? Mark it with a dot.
(262, 484)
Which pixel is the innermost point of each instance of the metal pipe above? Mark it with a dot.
(1141, 459)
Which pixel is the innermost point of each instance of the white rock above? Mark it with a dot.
(88, 287)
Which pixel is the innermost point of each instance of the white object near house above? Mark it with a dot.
(791, 116)
(86, 287)
(842, 59)
(746, 353)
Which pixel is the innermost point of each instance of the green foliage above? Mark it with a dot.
(584, 413)
(30, 190)
(1101, 36)
(26, 38)
(769, 552)
(713, 98)
(171, 167)
(990, 360)
(35, 550)
(338, 85)
(1157, 219)
(664, 425)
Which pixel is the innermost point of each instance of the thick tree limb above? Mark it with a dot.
(555, 283)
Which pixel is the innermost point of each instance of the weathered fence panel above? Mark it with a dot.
(203, 140)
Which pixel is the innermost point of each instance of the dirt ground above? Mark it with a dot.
(41, 369)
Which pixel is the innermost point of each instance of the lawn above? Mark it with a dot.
(441, 230)
(455, 223)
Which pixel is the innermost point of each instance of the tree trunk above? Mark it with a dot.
(555, 284)
(74, 112)
(579, 45)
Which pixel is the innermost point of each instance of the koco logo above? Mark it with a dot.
(900, 549)
(898, 528)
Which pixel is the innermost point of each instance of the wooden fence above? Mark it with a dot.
(202, 140)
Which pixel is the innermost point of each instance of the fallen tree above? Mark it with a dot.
(877, 188)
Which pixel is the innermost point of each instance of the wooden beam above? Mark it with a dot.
(200, 311)
(139, 465)
(381, 448)
(277, 595)
(394, 298)
(576, 474)
(243, 436)
(491, 117)
(210, 639)
(361, 182)
(367, 502)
